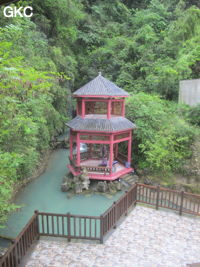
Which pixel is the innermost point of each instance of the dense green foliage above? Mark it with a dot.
(192, 114)
(33, 99)
(163, 139)
(144, 46)
(28, 118)
(147, 50)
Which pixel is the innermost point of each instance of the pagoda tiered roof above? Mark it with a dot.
(100, 124)
(100, 86)
(100, 120)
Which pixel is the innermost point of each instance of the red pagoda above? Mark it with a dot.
(98, 129)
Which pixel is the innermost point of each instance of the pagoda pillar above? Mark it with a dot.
(129, 147)
(123, 108)
(83, 108)
(109, 109)
(78, 149)
(71, 145)
(111, 153)
(77, 107)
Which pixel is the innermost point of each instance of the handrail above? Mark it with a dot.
(168, 190)
(72, 215)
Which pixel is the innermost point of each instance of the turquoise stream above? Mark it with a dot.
(44, 194)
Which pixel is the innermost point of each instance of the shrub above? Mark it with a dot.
(162, 141)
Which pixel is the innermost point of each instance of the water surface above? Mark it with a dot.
(44, 194)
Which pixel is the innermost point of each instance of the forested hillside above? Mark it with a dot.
(145, 47)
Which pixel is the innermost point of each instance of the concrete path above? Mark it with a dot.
(146, 238)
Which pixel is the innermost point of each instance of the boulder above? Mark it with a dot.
(118, 185)
(84, 175)
(112, 188)
(102, 187)
(64, 179)
(76, 179)
(148, 181)
(86, 184)
(78, 188)
(64, 187)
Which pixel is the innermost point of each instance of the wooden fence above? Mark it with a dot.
(96, 227)
(117, 210)
(21, 244)
(86, 227)
(69, 226)
(169, 199)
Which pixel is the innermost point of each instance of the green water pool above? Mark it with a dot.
(44, 194)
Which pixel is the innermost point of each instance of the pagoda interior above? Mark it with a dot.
(100, 156)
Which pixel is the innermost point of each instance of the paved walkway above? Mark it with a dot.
(146, 238)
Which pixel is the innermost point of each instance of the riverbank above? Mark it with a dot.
(36, 173)
(22, 184)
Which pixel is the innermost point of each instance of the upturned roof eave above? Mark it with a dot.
(118, 124)
(98, 131)
(100, 96)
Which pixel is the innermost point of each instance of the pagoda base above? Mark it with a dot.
(100, 173)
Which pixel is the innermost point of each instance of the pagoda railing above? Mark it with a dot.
(98, 169)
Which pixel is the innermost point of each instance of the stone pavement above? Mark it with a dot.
(146, 238)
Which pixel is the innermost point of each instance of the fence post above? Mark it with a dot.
(126, 203)
(181, 203)
(157, 197)
(15, 255)
(68, 227)
(115, 215)
(37, 224)
(136, 188)
(101, 229)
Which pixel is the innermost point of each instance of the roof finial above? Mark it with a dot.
(99, 73)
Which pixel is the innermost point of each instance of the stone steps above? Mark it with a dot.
(129, 179)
